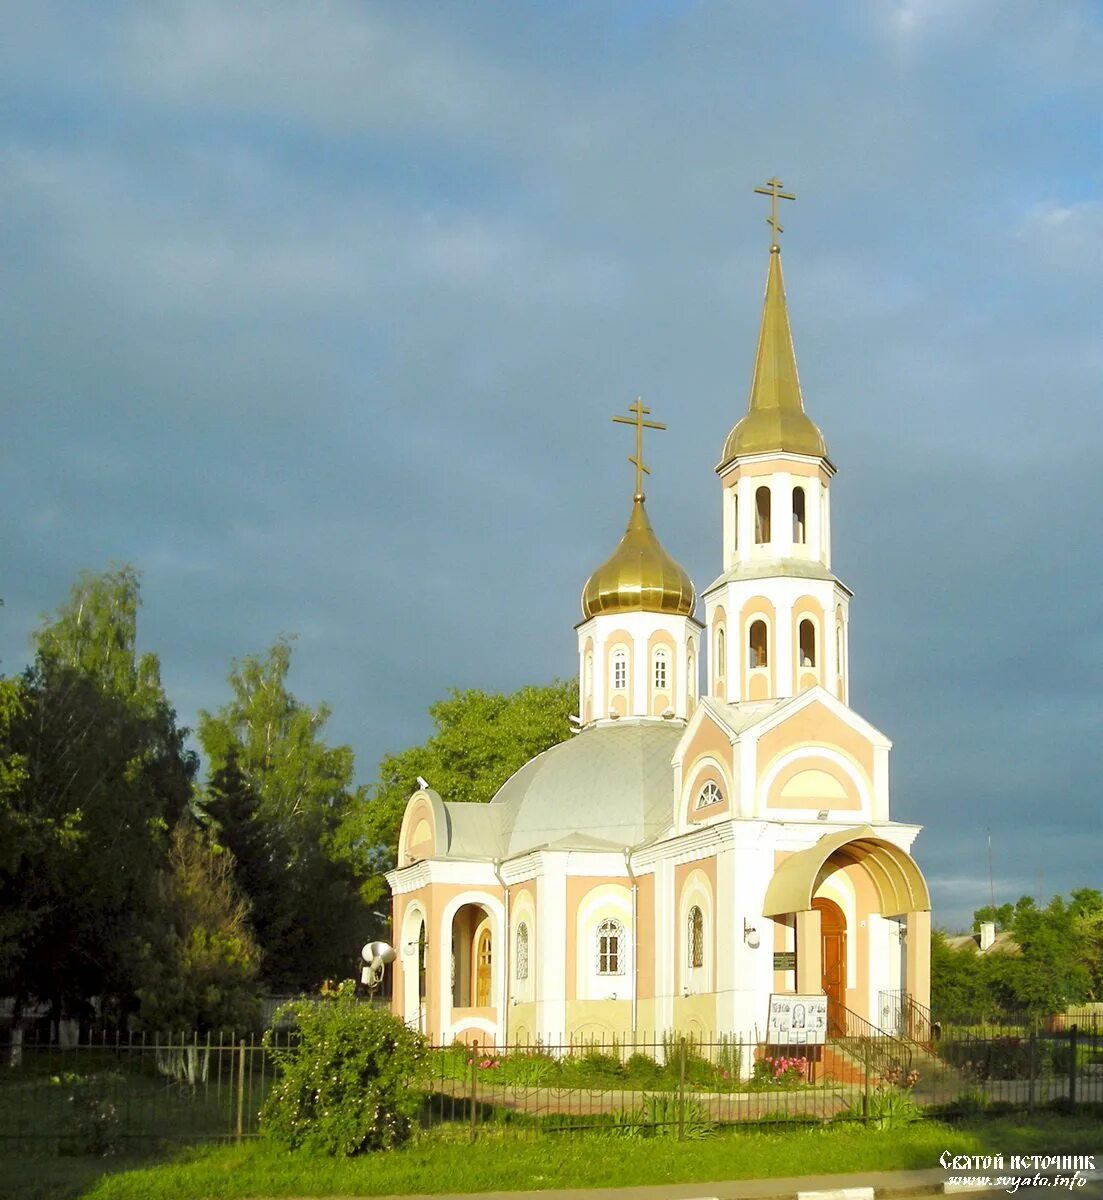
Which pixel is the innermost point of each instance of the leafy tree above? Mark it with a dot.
(277, 795)
(1000, 914)
(200, 958)
(103, 775)
(480, 740)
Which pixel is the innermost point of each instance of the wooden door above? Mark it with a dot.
(482, 970)
(833, 963)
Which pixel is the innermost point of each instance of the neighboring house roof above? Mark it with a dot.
(608, 787)
(1004, 943)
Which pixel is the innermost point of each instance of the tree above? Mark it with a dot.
(103, 775)
(276, 795)
(200, 958)
(480, 740)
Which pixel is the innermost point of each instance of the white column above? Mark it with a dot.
(641, 677)
(551, 955)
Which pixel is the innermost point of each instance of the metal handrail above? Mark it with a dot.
(878, 1051)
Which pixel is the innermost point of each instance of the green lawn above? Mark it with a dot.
(255, 1169)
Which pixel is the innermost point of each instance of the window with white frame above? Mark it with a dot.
(709, 794)
(661, 669)
(521, 952)
(620, 669)
(610, 947)
(695, 936)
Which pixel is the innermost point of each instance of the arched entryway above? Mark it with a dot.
(472, 958)
(833, 962)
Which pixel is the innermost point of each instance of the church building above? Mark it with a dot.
(692, 851)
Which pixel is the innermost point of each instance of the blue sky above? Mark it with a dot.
(317, 314)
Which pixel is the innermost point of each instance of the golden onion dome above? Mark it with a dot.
(640, 576)
(775, 421)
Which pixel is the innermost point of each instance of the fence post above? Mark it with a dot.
(474, 1085)
(1073, 1039)
(1032, 1051)
(239, 1126)
(868, 1066)
(681, 1089)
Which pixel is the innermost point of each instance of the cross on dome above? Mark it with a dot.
(639, 412)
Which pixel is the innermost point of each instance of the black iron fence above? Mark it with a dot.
(110, 1091)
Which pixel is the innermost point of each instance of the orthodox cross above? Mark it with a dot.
(638, 413)
(773, 190)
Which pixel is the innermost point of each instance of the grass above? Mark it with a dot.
(257, 1169)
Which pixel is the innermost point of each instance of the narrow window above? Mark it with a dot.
(696, 937)
(483, 970)
(610, 958)
(521, 954)
(762, 516)
(662, 670)
(709, 794)
(756, 645)
(691, 675)
(588, 675)
(620, 670)
(839, 649)
(798, 516)
(807, 644)
(720, 656)
(735, 520)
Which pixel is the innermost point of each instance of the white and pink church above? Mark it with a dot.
(691, 850)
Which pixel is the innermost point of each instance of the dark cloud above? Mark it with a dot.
(318, 316)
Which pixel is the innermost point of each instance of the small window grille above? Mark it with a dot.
(709, 794)
(521, 956)
(610, 956)
(660, 670)
(696, 932)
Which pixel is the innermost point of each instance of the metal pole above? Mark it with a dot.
(681, 1089)
(474, 1086)
(1073, 1039)
(240, 1089)
(1033, 1052)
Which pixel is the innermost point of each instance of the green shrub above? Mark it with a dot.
(349, 1082)
(93, 1115)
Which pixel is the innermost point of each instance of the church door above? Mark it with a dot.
(833, 962)
(482, 970)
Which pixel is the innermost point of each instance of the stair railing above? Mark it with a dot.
(880, 1053)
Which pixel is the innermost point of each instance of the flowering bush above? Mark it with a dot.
(349, 1082)
(783, 1070)
(93, 1115)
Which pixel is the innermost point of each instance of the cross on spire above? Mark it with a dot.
(773, 190)
(638, 413)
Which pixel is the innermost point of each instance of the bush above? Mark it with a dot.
(93, 1115)
(349, 1081)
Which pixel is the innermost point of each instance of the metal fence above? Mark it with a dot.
(56, 1100)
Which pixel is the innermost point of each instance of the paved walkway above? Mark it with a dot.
(883, 1183)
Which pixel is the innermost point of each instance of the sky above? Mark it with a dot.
(317, 315)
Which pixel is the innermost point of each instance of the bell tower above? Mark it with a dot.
(777, 618)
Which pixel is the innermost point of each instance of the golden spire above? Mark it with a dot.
(775, 420)
(639, 576)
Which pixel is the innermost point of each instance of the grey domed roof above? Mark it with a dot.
(608, 787)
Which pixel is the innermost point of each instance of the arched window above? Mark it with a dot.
(421, 957)
(695, 937)
(620, 669)
(762, 515)
(661, 669)
(798, 516)
(691, 675)
(757, 652)
(807, 644)
(735, 520)
(709, 794)
(839, 649)
(610, 947)
(483, 967)
(721, 657)
(588, 675)
(521, 952)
